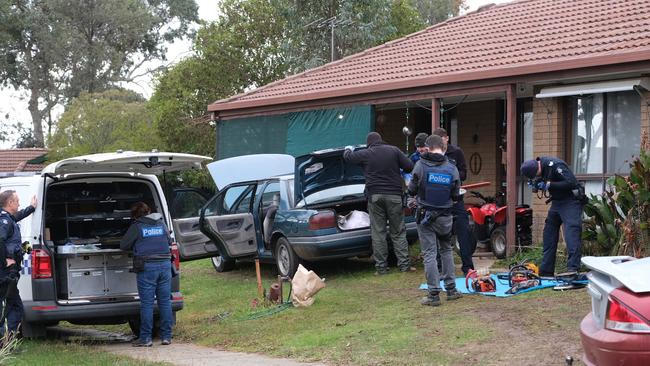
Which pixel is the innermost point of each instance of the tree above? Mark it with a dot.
(437, 11)
(56, 49)
(104, 122)
(240, 50)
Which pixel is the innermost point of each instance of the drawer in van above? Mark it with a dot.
(85, 261)
(119, 260)
(86, 283)
(121, 281)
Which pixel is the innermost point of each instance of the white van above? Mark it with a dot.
(76, 271)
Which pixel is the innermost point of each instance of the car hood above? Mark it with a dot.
(127, 162)
(324, 169)
(622, 270)
(249, 168)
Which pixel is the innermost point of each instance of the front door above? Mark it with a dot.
(227, 219)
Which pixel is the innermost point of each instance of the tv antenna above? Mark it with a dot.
(331, 23)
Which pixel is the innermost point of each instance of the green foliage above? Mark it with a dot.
(405, 18)
(619, 220)
(104, 122)
(56, 49)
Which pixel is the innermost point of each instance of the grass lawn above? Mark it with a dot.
(363, 319)
(41, 352)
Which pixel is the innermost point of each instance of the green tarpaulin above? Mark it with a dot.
(294, 133)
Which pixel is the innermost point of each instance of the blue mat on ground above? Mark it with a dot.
(502, 287)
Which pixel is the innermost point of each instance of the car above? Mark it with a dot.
(76, 271)
(617, 330)
(285, 211)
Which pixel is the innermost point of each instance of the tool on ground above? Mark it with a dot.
(480, 281)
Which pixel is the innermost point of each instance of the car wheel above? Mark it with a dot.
(285, 258)
(222, 265)
(498, 242)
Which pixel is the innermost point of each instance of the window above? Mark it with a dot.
(605, 135)
(187, 204)
(237, 199)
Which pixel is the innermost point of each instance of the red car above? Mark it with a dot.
(617, 330)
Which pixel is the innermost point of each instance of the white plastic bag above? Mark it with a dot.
(304, 285)
(354, 220)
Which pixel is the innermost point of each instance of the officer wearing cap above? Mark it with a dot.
(552, 175)
(11, 256)
(420, 147)
(436, 184)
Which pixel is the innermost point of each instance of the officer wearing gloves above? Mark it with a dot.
(11, 256)
(149, 239)
(381, 164)
(436, 184)
(552, 175)
(420, 147)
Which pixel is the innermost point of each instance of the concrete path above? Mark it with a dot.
(192, 355)
(184, 354)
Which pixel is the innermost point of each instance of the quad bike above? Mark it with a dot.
(487, 222)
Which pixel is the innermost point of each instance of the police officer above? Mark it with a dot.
(149, 239)
(552, 175)
(11, 256)
(467, 245)
(436, 184)
(420, 147)
(381, 164)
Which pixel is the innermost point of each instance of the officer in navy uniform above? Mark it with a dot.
(552, 175)
(11, 256)
(436, 184)
(149, 239)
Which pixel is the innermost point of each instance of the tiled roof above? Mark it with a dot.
(16, 160)
(518, 38)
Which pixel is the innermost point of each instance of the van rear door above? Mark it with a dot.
(191, 242)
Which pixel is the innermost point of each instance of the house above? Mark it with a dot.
(21, 161)
(509, 82)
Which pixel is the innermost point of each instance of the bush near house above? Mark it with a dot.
(619, 220)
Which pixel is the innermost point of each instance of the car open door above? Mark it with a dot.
(228, 221)
(185, 207)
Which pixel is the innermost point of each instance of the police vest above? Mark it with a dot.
(435, 186)
(152, 240)
(13, 242)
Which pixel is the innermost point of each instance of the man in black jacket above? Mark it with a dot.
(384, 189)
(461, 221)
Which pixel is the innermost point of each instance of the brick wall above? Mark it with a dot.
(548, 140)
(645, 113)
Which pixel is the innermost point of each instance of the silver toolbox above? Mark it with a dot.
(119, 259)
(86, 283)
(121, 281)
(84, 261)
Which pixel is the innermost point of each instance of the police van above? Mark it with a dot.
(76, 271)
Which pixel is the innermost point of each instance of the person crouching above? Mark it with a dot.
(436, 184)
(149, 239)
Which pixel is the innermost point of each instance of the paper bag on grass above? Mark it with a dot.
(304, 286)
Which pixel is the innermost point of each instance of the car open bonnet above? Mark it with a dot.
(127, 162)
(250, 168)
(631, 273)
(324, 169)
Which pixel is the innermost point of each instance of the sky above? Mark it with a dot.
(14, 103)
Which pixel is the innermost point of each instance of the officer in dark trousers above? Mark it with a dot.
(436, 184)
(381, 164)
(552, 175)
(456, 156)
(11, 257)
(149, 239)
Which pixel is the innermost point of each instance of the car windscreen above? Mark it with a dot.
(335, 194)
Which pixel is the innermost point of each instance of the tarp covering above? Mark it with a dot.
(322, 129)
(295, 133)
